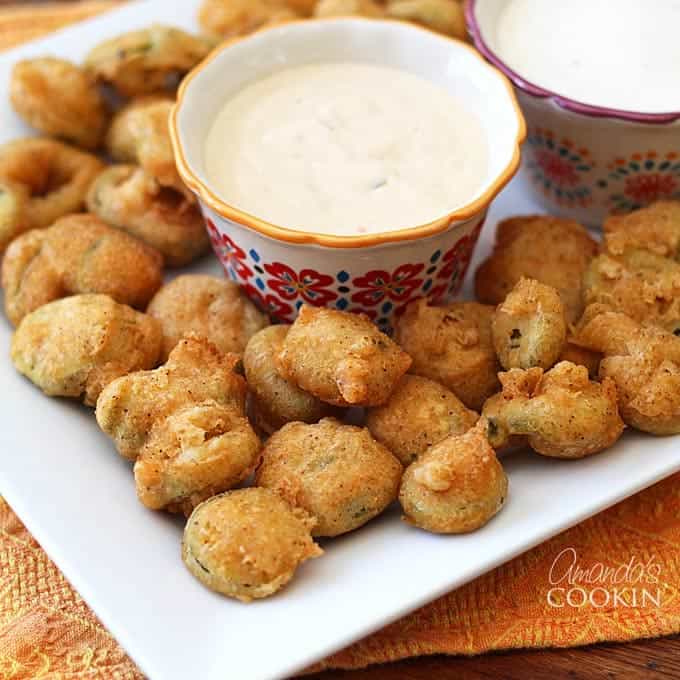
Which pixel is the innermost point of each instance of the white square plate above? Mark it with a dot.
(76, 495)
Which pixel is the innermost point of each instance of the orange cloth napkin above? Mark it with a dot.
(625, 581)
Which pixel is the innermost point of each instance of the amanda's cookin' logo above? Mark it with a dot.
(631, 584)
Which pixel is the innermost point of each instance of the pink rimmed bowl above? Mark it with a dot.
(582, 161)
(378, 274)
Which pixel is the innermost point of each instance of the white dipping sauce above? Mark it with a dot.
(346, 149)
(620, 54)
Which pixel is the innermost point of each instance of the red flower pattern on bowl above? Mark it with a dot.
(644, 189)
(378, 285)
(560, 172)
(309, 285)
(229, 254)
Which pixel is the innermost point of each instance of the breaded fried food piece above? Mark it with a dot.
(247, 543)
(146, 61)
(76, 346)
(59, 99)
(211, 306)
(419, 414)
(128, 198)
(13, 221)
(453, 346)
(274, 400)
(562, 412)
(643, 361)
(582, 356)
(655, 228)
(443, 16)
(337, 473)
(226, 18)
(55, 176)
(551, 250)
(77, 254)
(341, 358)
(528, 327)
(184, 425)
(639, 283)
(140, 134)
(455, 486)
(344, 8)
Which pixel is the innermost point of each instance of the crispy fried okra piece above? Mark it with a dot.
(76, 346)
(128, 198)
(456, 486)
(453, 346)
(443, 16)
(643, 361)
(226, 18)
(13, 219)
(341, 358)
(528, 327)
(276, 401)
(210, 306)
(247, 543)
(338, 473)
(147, 60)
(184, 425)
(562, 412)
(419, 414)
(551, 250)
(344, 8)
(77, 254)
(639, 283)
(59, 99)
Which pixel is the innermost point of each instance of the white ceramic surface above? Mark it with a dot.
(77, 496)
(377, 274)
(584, 161)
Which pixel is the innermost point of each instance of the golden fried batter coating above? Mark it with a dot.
(224, 18)
(56, 178)
(551, 250)
(443, 16)
(655, 228)
(184, 425)
(146, 60)
(76, 346)
(211, 306)
(338, 473)
(453, 346)
(13, 221)
(275, 401)
(419, 414)
(455, 486)
(562, 412)
(128, 198)
(528, 327)
(639, 283)
(140, 133)
(643, 361)
(341, 358)
(77, 254)
(335, 8)
(59, 99)
(247, 543)
(581, 356)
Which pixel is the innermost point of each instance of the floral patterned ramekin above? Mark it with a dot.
(377, 274)
(582, 161)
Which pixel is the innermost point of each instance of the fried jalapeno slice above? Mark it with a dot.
(341, 358)
(274, 400)
(184, 425)
(76, 346)
(562, 413)
(455, 486)
(77, 254)
(528, 327)
(246, 544)
(59, 99)
(453, 346)
(419, 414)
(337, 473)
(213, 307)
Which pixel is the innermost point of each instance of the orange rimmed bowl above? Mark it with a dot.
(378, 274)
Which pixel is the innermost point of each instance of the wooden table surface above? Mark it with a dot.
(643, 660)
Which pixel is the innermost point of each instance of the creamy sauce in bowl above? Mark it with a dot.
(346, 149)
(618, 54)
